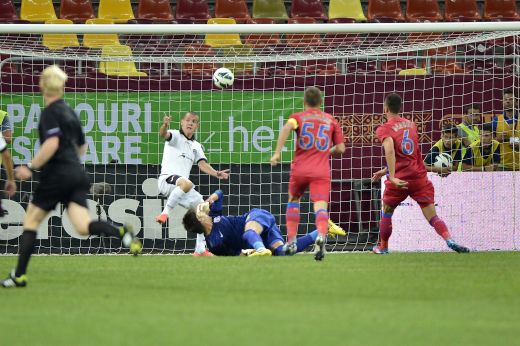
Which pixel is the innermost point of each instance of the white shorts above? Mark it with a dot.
(191, 199)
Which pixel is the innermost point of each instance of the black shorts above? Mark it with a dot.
(60, 187)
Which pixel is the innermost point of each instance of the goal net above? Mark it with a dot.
(124, 78)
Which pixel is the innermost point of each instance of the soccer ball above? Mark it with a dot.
(223, 78)
(443, 160)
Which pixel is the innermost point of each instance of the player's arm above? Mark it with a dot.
(289, 126)
(388, 146)
(6, 129)
(163, 130)
(206, 168)
(216, 201)
(379, 174)
(46, 152)
(430, 159)
(7, 162)
(338, 138)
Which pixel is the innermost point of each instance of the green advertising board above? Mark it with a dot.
(236, 127)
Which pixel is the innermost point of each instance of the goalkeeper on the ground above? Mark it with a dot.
(254, 233)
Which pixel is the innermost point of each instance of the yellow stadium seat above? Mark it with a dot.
(119, 68)
(59, 41)
(38, 11)
(222, 40)
(100, 40)
(237, 51)
(346, 9)
(120, 11)
(413, 72)
(274, 9)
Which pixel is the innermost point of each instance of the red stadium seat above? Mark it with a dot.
(461, 11)
(394, 66)
(423, 10)
(302, 40)
(385, 10)
(499, 10)
(157, 10)
(262, 40)
(444, 65)
(79, 11)
(194, 10)
(204, 69)
(308, 8)
(7, 11)
(320, 67)
(340, 39)
(236, 9)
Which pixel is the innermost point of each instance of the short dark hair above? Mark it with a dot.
(450, 129)
(312, 97)
(394, 103)
(487, 127)
(508, 91)
(473, 106)
(191, 223)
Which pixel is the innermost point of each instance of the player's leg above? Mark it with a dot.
(190, 201)
(177, 187)
(440, 227)
(80, 219)
(257, 221)
(319, 194)
(33, 218)
(297, 186)
(385, 229)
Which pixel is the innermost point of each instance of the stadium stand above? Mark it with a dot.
(423, 11)
(156, 10)
(461, 11)
(236, 9)
(222, 40)
(346, 9)
(59, 41)
(308, 8)
(120, 11)
(274, 9)
(97, 41)
(37, 11)
(7, 11)
(385, 10)
(193, 10)
(79, 11)
(119, 68)
(500, 10)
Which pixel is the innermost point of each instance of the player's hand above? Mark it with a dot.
(10, 188)
(166, 120)
(489, 168)
(378, 175)
(445, 171)
(223, 174)
(202, 210)
(275, 159)
(22, 172)
(400, 184)
(211, 199)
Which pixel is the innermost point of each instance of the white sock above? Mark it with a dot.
(173, 199)
(200, 245)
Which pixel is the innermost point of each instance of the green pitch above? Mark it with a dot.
(350, 299)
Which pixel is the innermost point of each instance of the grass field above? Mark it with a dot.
(350, 299)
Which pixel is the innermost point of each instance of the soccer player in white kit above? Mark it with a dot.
(181, 151)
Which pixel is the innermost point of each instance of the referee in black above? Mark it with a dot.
(62, 178)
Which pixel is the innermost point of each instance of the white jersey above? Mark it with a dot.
(3, 146)
(179, 155)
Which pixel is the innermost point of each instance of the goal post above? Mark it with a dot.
(124, 78)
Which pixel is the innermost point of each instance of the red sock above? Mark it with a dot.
(385, 229)
(292, 219)
(440, 227)
(322, 220)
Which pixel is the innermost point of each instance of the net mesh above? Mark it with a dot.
(123, 85)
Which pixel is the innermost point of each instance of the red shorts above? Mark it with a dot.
(421, 191)
(319, 187)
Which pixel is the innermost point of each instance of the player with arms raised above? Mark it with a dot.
(406, 175)
(62, 178)
(318, 136)
(181, 151)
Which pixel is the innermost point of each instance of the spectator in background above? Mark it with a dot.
(469, 128)
(484, 154)
(506, 129)
(450, 144)
(5, 127)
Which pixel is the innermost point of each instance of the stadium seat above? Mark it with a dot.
(308, 8)
(193, 10)
(320, 67)
(7, 11)
(395, 66)
(444, 65)
(239, 68)
(461, 11)
(259, 41)
(413, 72)
(157, 10)
(119, 68)
(79, 11)
(222, 40)
(204, 69)
(499, 10)
(361, 67)
(100, 40)
(120, 11)
(346, 9)
(385, 10)
(59, 41)
(236, 9)
(274, 9)
(423, 11)
(340, 39)
(37, 11)
(302, 40)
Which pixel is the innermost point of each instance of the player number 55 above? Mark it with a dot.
(307, 139)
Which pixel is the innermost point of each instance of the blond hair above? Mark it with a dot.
(52, 81)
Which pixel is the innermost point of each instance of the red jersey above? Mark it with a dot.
(409, 164)
(316, 133)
